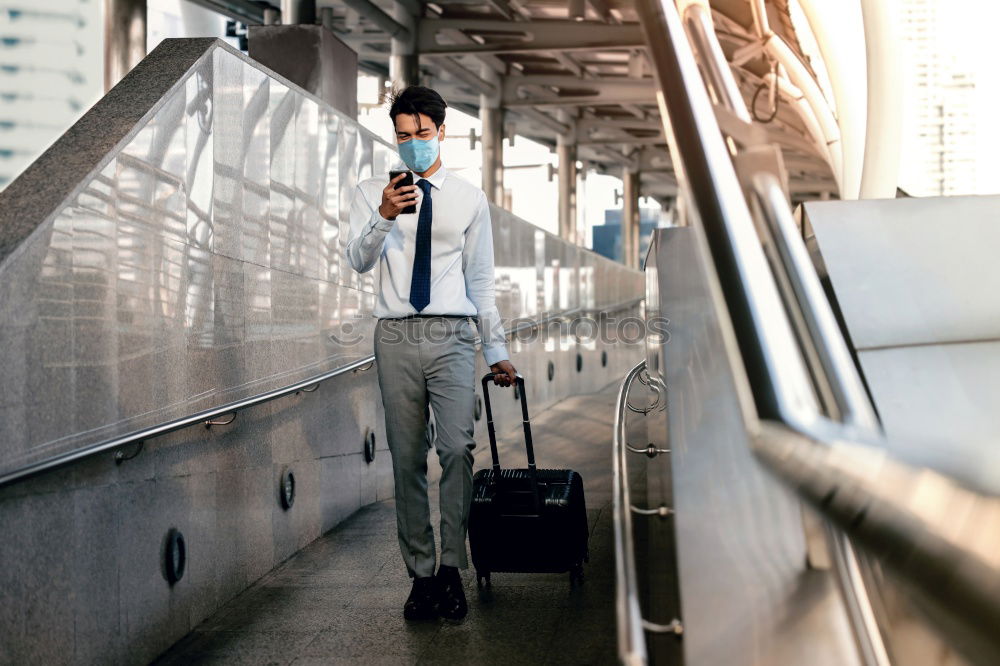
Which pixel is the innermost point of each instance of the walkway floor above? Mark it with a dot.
(339, 601)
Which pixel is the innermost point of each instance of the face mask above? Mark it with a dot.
(419, 154)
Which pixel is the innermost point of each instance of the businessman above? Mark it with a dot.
(435, 278)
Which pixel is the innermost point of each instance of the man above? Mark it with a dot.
(435, 270)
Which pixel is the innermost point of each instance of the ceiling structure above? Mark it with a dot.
(576, 68)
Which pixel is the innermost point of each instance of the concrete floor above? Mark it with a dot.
(339, 601)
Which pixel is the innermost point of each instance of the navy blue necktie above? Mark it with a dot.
(420, 282)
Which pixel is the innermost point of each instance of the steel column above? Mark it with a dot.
(491, 116)
(630, 218)
(404, 61)
(124, 38)
(297, 12)
(566, 152)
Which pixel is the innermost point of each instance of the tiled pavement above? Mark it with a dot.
(339, 601)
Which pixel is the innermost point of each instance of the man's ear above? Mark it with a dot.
(441, 132)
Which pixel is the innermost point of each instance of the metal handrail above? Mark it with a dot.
(838, 466)
(631, 625)
(566, 314)
(824, 348)
(631, 636)
(704, 165)
(210, 416)
(178, 424)
(702, 35)
(884, 507)
(854, 413)
(852, 401)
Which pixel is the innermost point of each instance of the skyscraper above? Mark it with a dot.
(940, 121)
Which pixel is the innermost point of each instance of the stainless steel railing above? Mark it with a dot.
(840, 380)
(631, 625)
(814, 426)
(631, 637)
(201, 417)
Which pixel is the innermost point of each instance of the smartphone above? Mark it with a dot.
(407, 180)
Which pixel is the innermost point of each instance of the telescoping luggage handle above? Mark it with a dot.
(526, 423)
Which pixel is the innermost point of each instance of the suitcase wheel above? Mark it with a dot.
(576, 575)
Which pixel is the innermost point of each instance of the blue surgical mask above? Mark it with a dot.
(419, 154)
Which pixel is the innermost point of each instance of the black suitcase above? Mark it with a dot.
(526, 520)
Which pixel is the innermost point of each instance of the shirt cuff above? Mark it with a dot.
(495, 354)
(380, 223)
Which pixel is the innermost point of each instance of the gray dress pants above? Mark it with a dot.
(429, 360)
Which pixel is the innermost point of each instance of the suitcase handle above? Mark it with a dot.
(525, 422)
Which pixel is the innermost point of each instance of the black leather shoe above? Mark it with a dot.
(451, 604)
(420, 604)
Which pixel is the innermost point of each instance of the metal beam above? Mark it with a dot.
(414, 7)
(609, 154)
(246, 11)
(460, 37)
(618, 123)
(624, 91)
(465, 76)
(356, 39)
(816, 166)
(602, 9)
(624, 140)
(634, 110)
(529, 36)
(569, 63)
(651, 159)
(543, 119)
(585, 100)
(454, 95)
(503, 8)
(374, 14)
(807, 186)
(564, 81)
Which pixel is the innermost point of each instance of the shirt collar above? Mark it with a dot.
(437, 178)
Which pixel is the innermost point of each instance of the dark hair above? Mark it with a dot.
(418, 99)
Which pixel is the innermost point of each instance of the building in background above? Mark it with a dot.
(608, 236)
(51, 72)
(52, 66)
(943, 89)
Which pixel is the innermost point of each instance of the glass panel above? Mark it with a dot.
(204, 263)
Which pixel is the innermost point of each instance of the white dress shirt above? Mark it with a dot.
(461, 254)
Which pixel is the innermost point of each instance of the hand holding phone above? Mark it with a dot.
(399, 196)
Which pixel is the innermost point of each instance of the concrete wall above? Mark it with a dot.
(82, 580)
